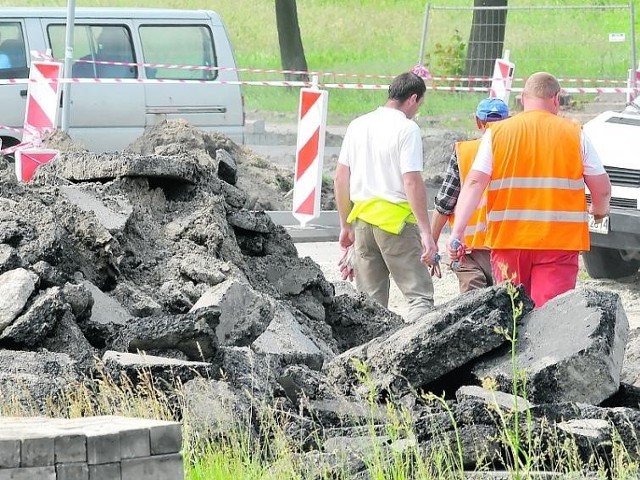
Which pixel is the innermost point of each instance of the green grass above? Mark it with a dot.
(382, 37)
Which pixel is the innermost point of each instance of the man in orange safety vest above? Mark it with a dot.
(534, 166)
(475, 271)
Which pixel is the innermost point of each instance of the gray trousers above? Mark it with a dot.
(475, 271)
(379, 254)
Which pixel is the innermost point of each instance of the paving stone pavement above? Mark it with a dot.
(90, 448)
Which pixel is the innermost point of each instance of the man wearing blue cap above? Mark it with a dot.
(475, 270)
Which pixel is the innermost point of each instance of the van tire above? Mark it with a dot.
(603, 262)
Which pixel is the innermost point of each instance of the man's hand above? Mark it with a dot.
(429, 250)
(597, 215)
(346, 237)
(455, 249)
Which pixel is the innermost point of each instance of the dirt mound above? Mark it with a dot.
(264, 183)
(60, 140)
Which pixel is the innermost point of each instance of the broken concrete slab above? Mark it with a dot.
(30, 328)
(571, 349)
(170, 370)
(444, 339)
(285, 340)
(357, 319)
(250, 372)
(495, 399)
(79, 299)
(92, 167)
(215, 408)
(244, 313)
(106, 317)
(344, 412)
(300, 381)
(9, 258)
(282, 276)
(16, 286)
(66, 337)
(105, 310)
(631, 365)
(192, 334)
(202, 269)
(113, 220)
(227, 167)
(35, 378)
(474, 445)
(251, 221)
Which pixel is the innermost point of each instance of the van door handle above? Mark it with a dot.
(23, 93)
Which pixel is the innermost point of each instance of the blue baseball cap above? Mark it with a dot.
(492, 109)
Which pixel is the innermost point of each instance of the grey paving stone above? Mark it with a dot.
(165, 438)
(160, 467)
(72, 471)
(37, 452)
(107, 471)
(10, 453)
(103, 447)
(36, 473)
(71, 448)
(135, 443)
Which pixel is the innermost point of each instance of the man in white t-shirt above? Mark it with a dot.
(382, 199)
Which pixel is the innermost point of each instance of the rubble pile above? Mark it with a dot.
(156, 259)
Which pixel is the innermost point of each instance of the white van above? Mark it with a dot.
(107, 117)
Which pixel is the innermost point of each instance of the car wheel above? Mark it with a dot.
(603, 262)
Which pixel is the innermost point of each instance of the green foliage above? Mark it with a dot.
(448, 58)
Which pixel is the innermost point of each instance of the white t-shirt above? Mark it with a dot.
(590, 160)
(379, 147)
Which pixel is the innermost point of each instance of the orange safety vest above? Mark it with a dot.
(474, 232)
(536, 198)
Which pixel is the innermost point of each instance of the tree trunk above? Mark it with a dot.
(486, 38)
(291, 50)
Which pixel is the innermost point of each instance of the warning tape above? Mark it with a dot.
(280, 83)
(436, 78)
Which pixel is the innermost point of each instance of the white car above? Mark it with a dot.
(615, 243)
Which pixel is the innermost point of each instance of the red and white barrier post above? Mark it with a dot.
(502, 79)
(43, 100)
(633, 78)
(312, 125)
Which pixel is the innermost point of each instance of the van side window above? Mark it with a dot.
(178, 45)
(13, 53)
(94, 44)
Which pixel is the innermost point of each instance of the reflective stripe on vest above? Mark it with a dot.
(474, 233)
(537, 182)
(537, 216)
(536, 197)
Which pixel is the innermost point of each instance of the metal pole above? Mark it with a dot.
(425, 26)
(68, 62)
(632, 13)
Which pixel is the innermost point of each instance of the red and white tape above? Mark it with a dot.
(280, 83)
(435, 78)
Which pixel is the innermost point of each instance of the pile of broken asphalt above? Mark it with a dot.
(154, 259)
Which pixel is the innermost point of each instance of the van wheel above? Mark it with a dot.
(603, 262)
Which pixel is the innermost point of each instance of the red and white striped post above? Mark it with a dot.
(43, 101)
(502, 79)
(633, 78)
(312, 125)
